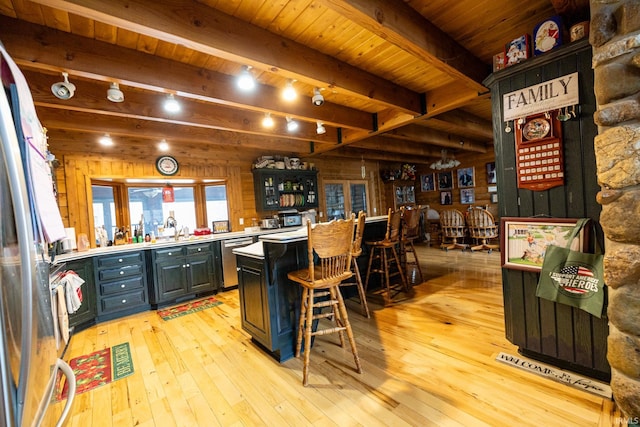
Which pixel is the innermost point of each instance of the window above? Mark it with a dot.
(118, 205)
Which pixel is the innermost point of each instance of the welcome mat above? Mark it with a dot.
(97, 369)
(569, 378)
(188, 308)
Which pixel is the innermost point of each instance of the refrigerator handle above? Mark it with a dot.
(67, 371)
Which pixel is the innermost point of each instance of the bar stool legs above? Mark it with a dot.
(385, 266)
(311, 300)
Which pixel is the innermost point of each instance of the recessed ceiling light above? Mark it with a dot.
(171, 105)
(246, 82)
(163, 145)
(289, 93)
(267, 121)
(106, 140)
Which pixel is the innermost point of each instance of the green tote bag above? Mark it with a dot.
(573, 278)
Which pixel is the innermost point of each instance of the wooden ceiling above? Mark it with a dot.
(401, 79)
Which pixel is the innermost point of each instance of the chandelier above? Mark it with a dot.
(445, 163)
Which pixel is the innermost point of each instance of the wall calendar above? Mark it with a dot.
(539, 160)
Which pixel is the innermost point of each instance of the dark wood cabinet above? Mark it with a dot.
(254, 300)
(121, 284)
(277, 189)
(558, 334)
(86, 315)
(181, 271)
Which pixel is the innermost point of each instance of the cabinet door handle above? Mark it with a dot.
(122, 272)
(199, 249)
(122, 286)
(124, 301)
(119, 259)
(170, 253)
(184, 266)
(188, 265)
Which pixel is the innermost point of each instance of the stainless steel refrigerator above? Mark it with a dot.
(29, 360)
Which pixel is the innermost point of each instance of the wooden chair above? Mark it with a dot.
(379, 260)
(453, 227)
(331, 243)
(482, 227)
(356, 251)
(410, 232)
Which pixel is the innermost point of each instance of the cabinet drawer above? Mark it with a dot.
(169, 253)
(124, 271)
(122, 259)
(198, 249)
(121, 286)
(123, 301)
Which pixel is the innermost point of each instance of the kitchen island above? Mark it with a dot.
(269, 301)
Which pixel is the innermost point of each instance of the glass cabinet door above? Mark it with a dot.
(358, 197)
(334, 200)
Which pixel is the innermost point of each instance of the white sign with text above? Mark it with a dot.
(546, 96)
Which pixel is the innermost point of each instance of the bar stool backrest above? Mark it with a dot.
(331, 242)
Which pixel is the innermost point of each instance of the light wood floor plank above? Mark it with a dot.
(428, 360)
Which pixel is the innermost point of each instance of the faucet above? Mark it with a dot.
(171, 222)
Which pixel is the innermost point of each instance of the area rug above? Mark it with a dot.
(569, 378)
(188, 308)
(97, 369)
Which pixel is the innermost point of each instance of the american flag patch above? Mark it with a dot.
(577, 270)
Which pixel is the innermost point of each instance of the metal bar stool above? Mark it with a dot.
(387, 266)
(356, 251)
(331, 243)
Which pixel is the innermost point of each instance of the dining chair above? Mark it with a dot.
(482, 227)
(453, 228)
(329, 247)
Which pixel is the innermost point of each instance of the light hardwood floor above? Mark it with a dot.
(428, 360)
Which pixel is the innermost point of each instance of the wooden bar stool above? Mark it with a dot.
(410, 232)
(380, 260)
(356, 251)
(331, 243)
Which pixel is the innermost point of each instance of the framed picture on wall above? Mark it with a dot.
(525, 240)
(491, 173)
(446, 198)
(466, 178)
(427, 182)
(467, 196)
(445, 180)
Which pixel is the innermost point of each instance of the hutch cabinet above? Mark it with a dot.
(276, 189)
(558, 334)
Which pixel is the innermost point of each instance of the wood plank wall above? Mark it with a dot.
(79, 163)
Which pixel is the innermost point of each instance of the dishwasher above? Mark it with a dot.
(229, 265)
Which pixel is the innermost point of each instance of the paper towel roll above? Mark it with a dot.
(69, 242)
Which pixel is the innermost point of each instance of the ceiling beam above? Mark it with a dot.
(420, 134)
(36, 47)
(465, 123)
(373, 155)
(205, 29)
(398, 23)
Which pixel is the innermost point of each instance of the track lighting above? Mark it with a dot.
(317, 99)
(171, 105)
(267, 122)
(114, 94)
(65, 89)
(291, 124)
(320, 128)
(106, 140)
(289, 93)
(246, 82)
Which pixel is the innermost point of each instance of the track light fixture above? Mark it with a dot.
(320, 128)
(291, 124)
(63, 90)
(267, 121)
(106, 140)
(289, 93)
(114, 94)
(246, 82)
(171, 105)
(317, 99)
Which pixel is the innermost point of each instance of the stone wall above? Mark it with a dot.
(615, 37)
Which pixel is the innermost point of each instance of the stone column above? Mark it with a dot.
(615, 38)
